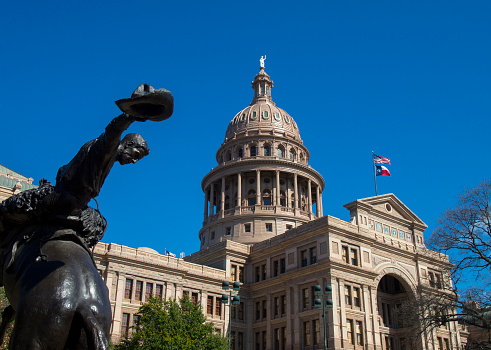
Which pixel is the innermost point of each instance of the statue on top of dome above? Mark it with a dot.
(261, 61)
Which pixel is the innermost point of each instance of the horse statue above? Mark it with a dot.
(57, 297)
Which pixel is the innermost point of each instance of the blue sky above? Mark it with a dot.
(409, 80)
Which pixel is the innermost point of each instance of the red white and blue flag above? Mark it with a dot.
(380, 160)
(169, 253)
(381, 170)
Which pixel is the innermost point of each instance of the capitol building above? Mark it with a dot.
(264, 227)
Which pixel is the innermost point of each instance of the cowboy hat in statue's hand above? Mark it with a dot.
(147, 103)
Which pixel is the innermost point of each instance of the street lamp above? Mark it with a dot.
(324, 303)
(230, 301)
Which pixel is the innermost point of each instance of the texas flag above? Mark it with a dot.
(381, 170)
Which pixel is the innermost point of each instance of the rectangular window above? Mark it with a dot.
(264, 340)
(276, 339)
(282, 265)
(240, 341)
(446, 344)
(313, 255)
(263, 272)
(283, 305)
(283, 337)
(148, 291)
(265, 310)
(276, 268)
(228, 231)
(124, 324)
(218, 307)
(269, 227)
(306, 333)
(347, 295)
(240, 312)
(258, 310)
(303, 258)
(344, 250)
(258, 341)
(258, 273)
(194, 298)
(241, 274)
(276, 306)
(128, 288)
(359, 333)
(209, 305)
(247, 228)
(356, 297)
(305, 298)
(138, 290)
(317, 332)
(136, 319)
(233, 273)
(212, 235)
(354, 257)
(158, 290)
(440, 343)
(349, 327)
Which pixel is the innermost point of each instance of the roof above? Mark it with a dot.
(11, 179)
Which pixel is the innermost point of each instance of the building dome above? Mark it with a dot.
(263, 114)
(263, 185)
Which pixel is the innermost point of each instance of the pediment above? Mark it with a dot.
(386, 207)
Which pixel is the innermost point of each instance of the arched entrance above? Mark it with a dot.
(392, 292)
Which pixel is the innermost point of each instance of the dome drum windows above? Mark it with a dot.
(251, 198)
(266, 197)
(253, 151)
(267, 151)
(265, 115)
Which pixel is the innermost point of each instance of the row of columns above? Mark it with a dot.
(210, 198)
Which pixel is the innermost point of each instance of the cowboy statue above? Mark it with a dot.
(57, 297)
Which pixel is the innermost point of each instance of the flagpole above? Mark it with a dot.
(374, 176)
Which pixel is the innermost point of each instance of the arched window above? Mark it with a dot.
(267, 197)
(228, 156)
(253, 151)
(281, 151)
(292, 154)
(292, 201)
(282, 198)
(240, 153)
(301, 157)
(267, 151)
(251, 197)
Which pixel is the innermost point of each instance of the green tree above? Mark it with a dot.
(177, 325)
(4, 302)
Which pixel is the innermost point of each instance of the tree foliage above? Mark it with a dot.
(177, 325)
(4, 302)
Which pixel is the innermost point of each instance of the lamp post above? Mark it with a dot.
(324, 303)
(228, 299)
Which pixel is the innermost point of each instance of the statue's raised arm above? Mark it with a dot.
(81, 180)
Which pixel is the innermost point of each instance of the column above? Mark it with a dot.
(278, 197)
(258, 186)
(342, 320)
(239, 189)
(116, 331)
(289, 319)
(206, 206)
(309, 189)
(372, 291)
(222, 204)
(295, 185)
(318, 202)
(212, 199)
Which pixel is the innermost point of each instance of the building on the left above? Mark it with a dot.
(12, 182)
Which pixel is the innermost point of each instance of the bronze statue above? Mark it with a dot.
(57, 296)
